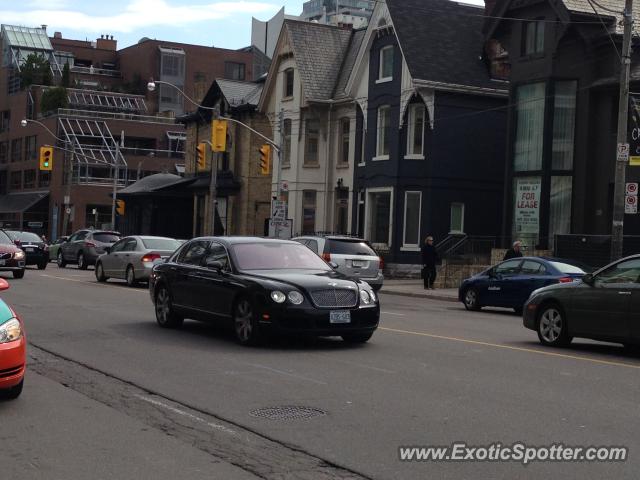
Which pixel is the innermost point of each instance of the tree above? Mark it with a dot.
(53, 99)
(35, 71)
(66, 76)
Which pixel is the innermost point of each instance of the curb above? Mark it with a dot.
(444, 298)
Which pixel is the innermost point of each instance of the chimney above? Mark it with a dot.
(44, 27)
(57, 35)
(106, 43)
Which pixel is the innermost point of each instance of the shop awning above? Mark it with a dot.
(19, 201)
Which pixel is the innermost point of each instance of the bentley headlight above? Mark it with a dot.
(18, 255)
(365, 297)
(278, 297)
(296, 297)
(373, 296)
(10, 331)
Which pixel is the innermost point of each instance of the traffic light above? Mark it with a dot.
(120, 207)
(265, 159)
(46, 158)
(201, 160)
(219, 135)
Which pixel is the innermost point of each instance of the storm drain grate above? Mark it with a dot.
(287, 412)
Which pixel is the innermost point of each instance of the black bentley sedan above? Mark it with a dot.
(261, 286)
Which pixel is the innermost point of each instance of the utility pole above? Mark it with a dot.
(67, 197)
(115, 180)
(281, 154)
(617, 228)
(213, 180)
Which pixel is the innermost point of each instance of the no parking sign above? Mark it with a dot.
(632, 189)
(631, 204)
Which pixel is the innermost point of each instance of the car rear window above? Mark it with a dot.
(348, 247)
(161, 243)
(567, 268)
(28, 237)
(105, 237)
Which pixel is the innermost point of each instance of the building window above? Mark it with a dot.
(16, 150)
(4, 152)
(173, 65)
(44, 178)
(169, 95)
(15, 180)
(560, 206)
(234, 71)
(533, 37)
(312, 136)
(529, 127)
(564, 119)
(30, 179)
(412, 215)
(415, 137)
(308, 212)
(5, 120)
(345, 134)
(385, 72)
(30, 149)
(379, 224)
(457, 218)
(384, 121)
(286, 138)
(288, 82)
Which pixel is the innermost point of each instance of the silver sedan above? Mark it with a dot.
(132, 258)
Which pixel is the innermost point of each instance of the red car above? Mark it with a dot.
(12, 258)
(13, 350)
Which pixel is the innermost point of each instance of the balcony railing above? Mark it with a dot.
(67, 112)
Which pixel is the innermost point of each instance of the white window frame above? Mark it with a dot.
(411, 247)
(382, 79)
(413, 110)
(451, 218)
(341, 138)
(367, 215)
(380, 132)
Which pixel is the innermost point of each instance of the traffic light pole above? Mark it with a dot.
(67, 197)
(617, 227)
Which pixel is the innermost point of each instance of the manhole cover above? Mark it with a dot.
(287, 413)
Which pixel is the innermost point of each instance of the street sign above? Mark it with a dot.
(284, 186)
(67, 210)
(631, 204)
(34, 224)
(623, 152)
(282, 231)
(631, 189)
(279, 212)
(67, 200)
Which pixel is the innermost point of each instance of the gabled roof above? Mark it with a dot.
(603, 7)
(151, 184)
(442, 41)
(349, 62)
(239, 93)
(318, 51)
(20, 201)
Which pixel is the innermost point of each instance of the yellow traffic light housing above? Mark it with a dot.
(265, 159)
(219, 135)
(201, 157)
(120, 207)
(46, 158)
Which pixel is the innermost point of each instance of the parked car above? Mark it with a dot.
(12, 258)
(13, 346)
(259, 286)
(353, 256)
(132, 258)
(35, 249)
(85, 246)
(509, 283)
(603, 306)
(55, 247)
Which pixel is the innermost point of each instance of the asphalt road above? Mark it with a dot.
(433, 374)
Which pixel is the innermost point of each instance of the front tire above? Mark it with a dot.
(42, 265)
(165, 316)
(471, 299)
(82, 262)
(61, 261)
(18, 273)
(131, 276)
(245, 325)
(100, 276)
(552, 326)
(355, 338)
(13, 392)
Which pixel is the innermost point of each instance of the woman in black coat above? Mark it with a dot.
(429, 261)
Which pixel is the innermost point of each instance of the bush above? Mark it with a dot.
(53, 99)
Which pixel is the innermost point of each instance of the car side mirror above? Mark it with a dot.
(333, 265)
(588, 279)
(214, 265)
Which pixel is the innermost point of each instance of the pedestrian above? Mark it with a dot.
(429, 260)
(514, 251)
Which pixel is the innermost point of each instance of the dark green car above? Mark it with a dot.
(603, 306)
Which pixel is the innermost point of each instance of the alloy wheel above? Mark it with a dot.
(244, 321)
(471, 299)
(163, 307)
(550, 325)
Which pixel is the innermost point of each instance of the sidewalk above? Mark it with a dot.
(415, 288)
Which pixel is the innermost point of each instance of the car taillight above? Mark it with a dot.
(381, 263)
(565, 280)
(89, 244)
(150, 257)
(326, 257)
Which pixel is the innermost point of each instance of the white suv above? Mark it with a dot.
(353, 256)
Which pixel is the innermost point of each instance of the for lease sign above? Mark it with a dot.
(527, 205)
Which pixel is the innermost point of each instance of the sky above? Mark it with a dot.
(219, 23)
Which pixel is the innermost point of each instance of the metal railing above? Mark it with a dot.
(67, 112)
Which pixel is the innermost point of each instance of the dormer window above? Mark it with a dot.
(533, 37)
(385, 72)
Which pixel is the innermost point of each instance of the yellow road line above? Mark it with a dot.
(509, 347)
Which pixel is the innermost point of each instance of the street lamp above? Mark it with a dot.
(67, 198)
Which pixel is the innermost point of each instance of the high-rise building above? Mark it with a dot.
(352, 13)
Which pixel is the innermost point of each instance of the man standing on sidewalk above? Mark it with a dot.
(429, 261)
(514, 251)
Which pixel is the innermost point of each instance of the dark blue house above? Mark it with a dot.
(431, 129)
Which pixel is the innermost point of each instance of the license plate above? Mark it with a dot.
(29, 249)
(340, 316)
(358, 263)
(3, 262)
